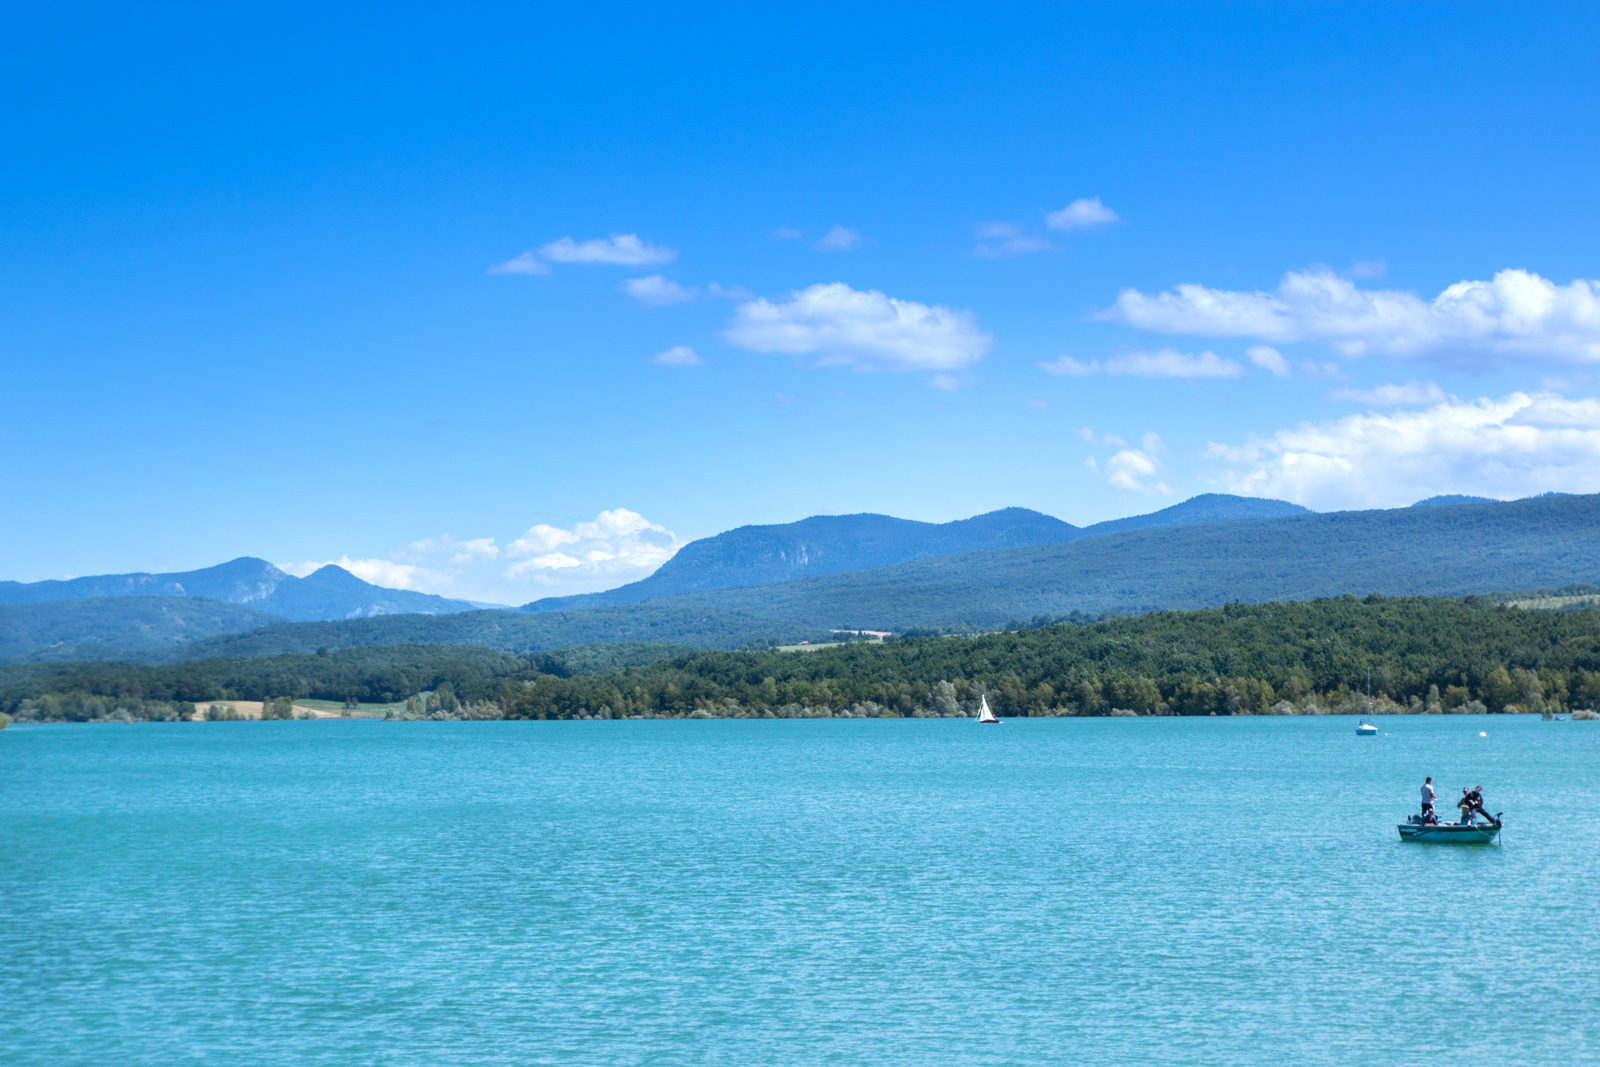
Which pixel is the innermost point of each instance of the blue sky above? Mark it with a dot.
(1090, 259)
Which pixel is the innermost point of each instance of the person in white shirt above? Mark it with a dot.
(1427, 800)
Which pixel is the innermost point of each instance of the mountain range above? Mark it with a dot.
(1031, 567)
(329, 592)
(832, 544)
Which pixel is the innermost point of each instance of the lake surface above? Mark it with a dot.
(917, 892)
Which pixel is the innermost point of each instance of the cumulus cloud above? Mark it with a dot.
(657, 291)
(1387, 396)
(839, 239)
(842, 326)
(1170, 363)
(997, 240)
(620, 249)
(523, 264)
(1135, 469)
(1268, 359)
(1515, 446)
(1517, 314)
(678, 356)
(1081, 213)
(619, 546)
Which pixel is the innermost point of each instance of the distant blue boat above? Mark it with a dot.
(1449, 833)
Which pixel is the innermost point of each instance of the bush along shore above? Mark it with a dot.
(1425, 655)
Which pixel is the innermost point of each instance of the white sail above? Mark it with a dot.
(984, 714)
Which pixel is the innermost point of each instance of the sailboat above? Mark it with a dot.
(985, 715)
(1364, 728)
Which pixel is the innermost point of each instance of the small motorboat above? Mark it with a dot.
(985, 715)
(1366, 729)
(1450, 833)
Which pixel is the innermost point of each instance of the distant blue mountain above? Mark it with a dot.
(328, 593)
(832, 544)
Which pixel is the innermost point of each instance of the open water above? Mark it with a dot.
(1085, 892)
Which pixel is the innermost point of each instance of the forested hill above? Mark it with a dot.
(1528, 544)
(328, 593)
(831, 544)
(1424, 654)
(117, 627)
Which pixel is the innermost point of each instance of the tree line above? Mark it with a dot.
(1424, 654)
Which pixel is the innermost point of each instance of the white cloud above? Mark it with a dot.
(1518, 445)
(657, 291)
(997, 240)
(1152, 443)
(1081, 213)
(945, 383)
(1135, 470)
(1169, 363)
(1038, 405)
(1517, 314)
(786, 233)
(678, 356)
(729, 292)
(1393, 395)
(523, 264)
(1067, 367)
(864, 329)
(619, 546)
(839, 239)
(1268, 359)
(621, 249)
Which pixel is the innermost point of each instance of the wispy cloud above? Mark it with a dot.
(1067, 367)
(1163, 363)
(842, 326)
(620, 249)
(786, 233)
(1268, 359)
(1517, 314)
(678, 356)
(1412, 392)
(1170, 363)
(839, 239)
(1515, 446)
(1081, 214)
(523, 264)
(999, 240)
(657, 291)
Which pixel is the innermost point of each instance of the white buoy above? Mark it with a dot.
(1482, 734)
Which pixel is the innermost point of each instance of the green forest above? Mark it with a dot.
(1425, 655)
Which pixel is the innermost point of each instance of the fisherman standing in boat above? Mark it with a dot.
(1467, 806)
(1427, 800)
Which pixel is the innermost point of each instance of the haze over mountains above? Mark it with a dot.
(1204, 552)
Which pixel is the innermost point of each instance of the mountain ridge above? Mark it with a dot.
(832, 544)
(327, 593)
(1536, 543)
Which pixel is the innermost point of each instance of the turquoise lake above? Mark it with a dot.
(918, 892)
